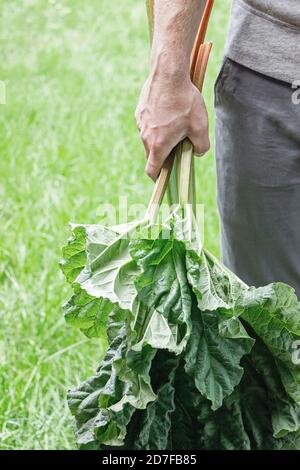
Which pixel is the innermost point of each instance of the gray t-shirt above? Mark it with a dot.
(264, 35)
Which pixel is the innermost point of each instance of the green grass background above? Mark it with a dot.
(68, 143)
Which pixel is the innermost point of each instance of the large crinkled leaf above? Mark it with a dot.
(74, 254)
(251, 416)
(197, 426)
(285, 305)
(186, 431)
(111, 274)
(84, 401)
(133, 371)
(263, 310)
(104, 404)
(83, 310)
(259, 410)
(97, 262)
(214, 286)
(219, 340)
(214, 352)
(155, 422)
(158, 333)
(98, 259)
(285, 413)
(162, 286)
(88, 313)
(279, 300)
(224, 429)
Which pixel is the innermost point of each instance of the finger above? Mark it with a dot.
(159, 151)
(138, 124)
(200, 141)
(199, 154)
(137, 116)
(202, 146)
(146, 146)
(154, 165)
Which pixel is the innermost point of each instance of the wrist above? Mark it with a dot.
(165, 67)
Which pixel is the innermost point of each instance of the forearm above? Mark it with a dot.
(170, 107)
(175, 27)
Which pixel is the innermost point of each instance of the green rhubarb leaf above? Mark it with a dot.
(98, 264)
(269, 424)
(224, 429)
(214, 286)
(285, 413)
(186, 431)
(264, 310)
(98, 260)
(163, 288)
(155, 422)
(74, 254)
(88, 313)
(214, 352)
(104, 404)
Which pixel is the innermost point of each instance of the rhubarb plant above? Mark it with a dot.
(195, 359)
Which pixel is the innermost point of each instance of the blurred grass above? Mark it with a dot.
(68, 143)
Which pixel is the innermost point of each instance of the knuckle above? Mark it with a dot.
(203, 125)
(157, 146)
(199, 128)
(143, 136)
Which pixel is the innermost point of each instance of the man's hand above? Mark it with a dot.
(170, 107)
(167, 112)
